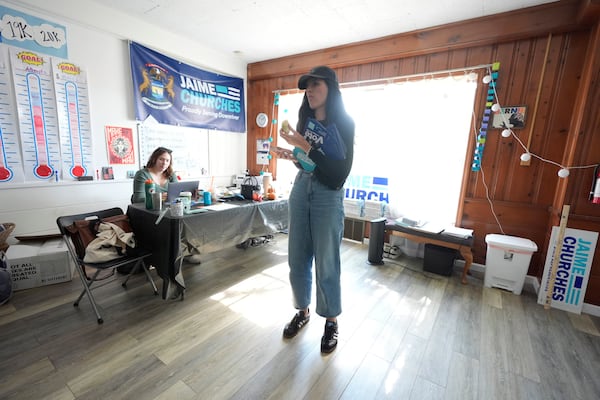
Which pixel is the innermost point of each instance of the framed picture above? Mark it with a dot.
(119, 141)
(512, 117)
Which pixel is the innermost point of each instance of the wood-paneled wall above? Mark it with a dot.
(550, 50)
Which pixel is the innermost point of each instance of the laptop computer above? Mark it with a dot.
(175, 188)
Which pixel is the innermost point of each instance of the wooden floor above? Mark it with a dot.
(404, 334)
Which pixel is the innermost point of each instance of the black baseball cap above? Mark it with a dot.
(321, 72)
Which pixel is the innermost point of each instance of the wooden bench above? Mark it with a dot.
(380, 226)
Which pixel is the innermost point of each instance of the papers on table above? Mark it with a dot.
(458, 232)
(433, 227)
(430, 227)
(220, 206)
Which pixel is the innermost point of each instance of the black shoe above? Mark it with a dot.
(292, 329)
(329, 340)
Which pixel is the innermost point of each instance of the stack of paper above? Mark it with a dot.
(458, 232)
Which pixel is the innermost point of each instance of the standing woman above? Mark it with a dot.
(159, 170)
(316, 210)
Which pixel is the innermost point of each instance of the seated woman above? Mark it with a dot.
(158, 169)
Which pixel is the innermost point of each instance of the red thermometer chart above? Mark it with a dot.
(77, 167)
(6, 174)
(70, 87)
(11, 165)
(35, 108)
(42, 167)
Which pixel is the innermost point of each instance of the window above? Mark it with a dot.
(413, 133)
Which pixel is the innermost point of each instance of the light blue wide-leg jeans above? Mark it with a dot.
(316, 223)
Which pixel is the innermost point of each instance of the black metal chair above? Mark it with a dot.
(64, 222)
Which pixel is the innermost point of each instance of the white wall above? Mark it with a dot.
(97, 40)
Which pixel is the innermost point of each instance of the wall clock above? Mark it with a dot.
(262, 120)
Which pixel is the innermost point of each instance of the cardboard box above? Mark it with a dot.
(39, 264)
(438, 259)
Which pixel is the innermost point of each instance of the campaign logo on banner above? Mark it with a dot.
(174, 93)
(573, 269)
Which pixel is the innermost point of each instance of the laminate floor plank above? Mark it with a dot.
(430, 301)
(404, 334)
(367, 379)
(12, 382)
(302, 373)
(549, 348)
(467, 340)
(583, 323)
(435, 365)
(426, 390)
(494, 376)
(179, 391)
(463, 378)
(521, 359)
(404, 368)
(344, 364)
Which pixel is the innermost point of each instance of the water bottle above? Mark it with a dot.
(207, 198)
(150, 188)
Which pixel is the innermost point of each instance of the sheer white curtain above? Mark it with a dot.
(413, 133)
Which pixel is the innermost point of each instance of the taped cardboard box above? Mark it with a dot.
(39, 264)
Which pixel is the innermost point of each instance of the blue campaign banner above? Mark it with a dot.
(28, 32)
(175, 93)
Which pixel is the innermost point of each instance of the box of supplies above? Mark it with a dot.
(507, 261)
(39, 264)
(438, 259)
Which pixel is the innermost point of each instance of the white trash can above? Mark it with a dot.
(507, 261)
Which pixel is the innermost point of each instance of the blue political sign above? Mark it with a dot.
(175, 93)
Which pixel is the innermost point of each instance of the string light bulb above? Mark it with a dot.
(496, 107)
(472, 76)
(525, 157)
(563, 172)
(505, 132)
(487, 79)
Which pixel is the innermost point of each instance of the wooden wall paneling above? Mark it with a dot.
(585, 215)
(523, 23)
(390, 68)
(573, 87)
(526, 199)
(581, 179)
(520, 220)
(438, 61)
(547, 108)
(588, 151)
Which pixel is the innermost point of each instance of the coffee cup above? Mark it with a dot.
(157, 201)
(177, 208)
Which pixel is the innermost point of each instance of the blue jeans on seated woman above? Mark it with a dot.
(316, 224)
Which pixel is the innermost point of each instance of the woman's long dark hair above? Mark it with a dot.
(335, 111)
(154, 158)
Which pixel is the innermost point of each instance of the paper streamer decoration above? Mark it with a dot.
(487, 114)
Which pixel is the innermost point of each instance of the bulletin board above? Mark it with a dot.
(189, 146)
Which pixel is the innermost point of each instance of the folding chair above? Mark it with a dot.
(65, 222)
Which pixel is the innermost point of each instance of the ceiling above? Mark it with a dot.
(258, 30)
